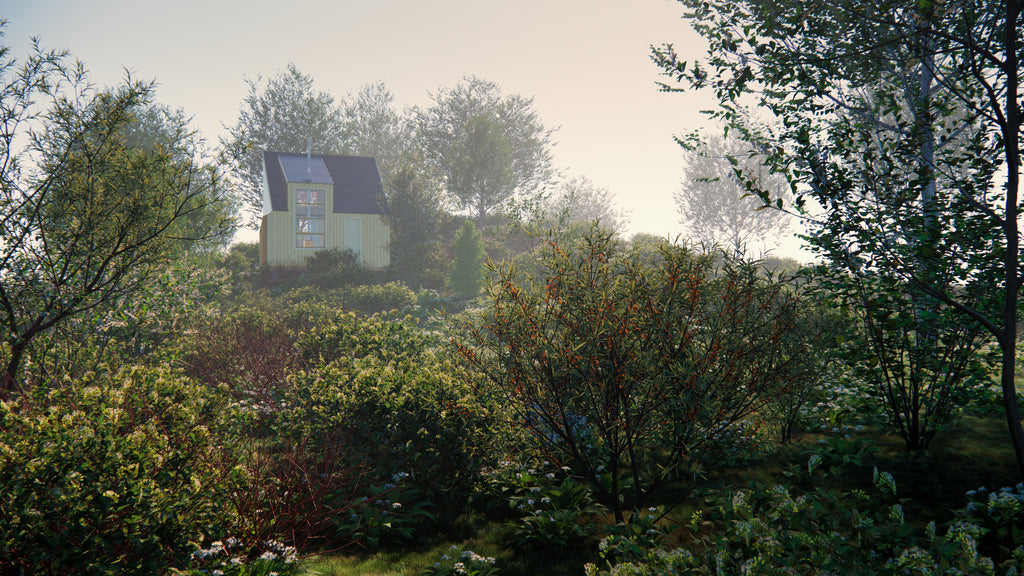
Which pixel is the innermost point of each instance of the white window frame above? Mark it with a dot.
(310, 218)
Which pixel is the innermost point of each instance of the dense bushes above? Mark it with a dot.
(116, 473)
(629, 370)
(280, 420)
(781, 529)
(357, 401)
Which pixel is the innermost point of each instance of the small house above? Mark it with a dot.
(314, 202)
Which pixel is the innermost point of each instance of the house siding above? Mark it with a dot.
(278, 234)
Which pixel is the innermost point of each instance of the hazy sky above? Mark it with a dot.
(586, 63)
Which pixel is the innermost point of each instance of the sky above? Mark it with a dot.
(586, 64)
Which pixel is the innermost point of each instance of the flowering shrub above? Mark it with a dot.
(632, 541)
(112, 474)
(547, 505)
(230, 557)
(1000, 515)
(380, 396)
(373, 298)
(772, 530)
(456, 562)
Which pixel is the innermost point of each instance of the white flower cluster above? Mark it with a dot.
(1008, 500)
(473, 556)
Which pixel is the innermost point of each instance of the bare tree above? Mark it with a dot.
(580, 200)
(715, 204)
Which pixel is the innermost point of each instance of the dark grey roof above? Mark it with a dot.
(357, 185)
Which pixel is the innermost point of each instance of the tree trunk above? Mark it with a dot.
(1011, 135)
(10, 376)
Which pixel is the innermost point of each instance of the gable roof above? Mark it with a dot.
(356, 180)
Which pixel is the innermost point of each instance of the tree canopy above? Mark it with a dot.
(488, 147)
(901, 119)
(580, 200)
(282, 115)
(105, 191)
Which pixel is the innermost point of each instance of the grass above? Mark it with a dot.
(975, 452)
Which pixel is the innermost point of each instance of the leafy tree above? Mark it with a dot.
(373, 127)
(413, 201)
(467, 276)
(283, 115)
(487, 147)
(580, 200)
(714, 202)
(413, 207)
(88, 213)
(898, 118)
(628, 371)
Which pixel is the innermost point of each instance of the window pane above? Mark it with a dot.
(309, 196)
(309, 240)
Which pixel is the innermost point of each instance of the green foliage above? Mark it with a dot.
(113, 474)
(373, 298)
(1000, 515)
(467, 275)
(389, 513)
(100, 192)
(901, 133)
(632, 541)
(415, 216)
(552, 508)
(628, 371)
(774, 530)
(331, 260)
(915, 357)
(391, 411)
(457, 562)
(487, 147)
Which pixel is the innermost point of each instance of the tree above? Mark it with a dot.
(413, 201)
(579, 200)
(487, 147)
(88, 209)
(283, 116)
(627, 370)
(468, 268)
(715, 204)
(899, 118)
(372, 127)
(413, 210)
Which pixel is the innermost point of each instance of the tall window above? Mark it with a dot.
(309, 218)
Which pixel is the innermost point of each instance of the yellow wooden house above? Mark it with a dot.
(315, 202)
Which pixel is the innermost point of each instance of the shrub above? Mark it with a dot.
(772, 530)
(113, 474)
(231, 557)
(617, 364)
(467, 274)
(247, 351)
(373, 298)
(1000, 515)
(412, 415)
(550, 507)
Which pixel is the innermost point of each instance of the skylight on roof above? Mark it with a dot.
(298, 169)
